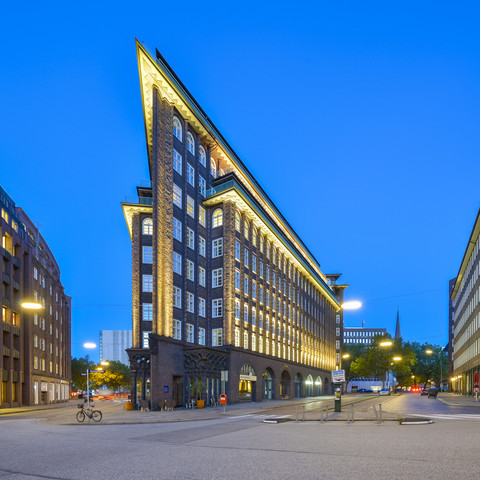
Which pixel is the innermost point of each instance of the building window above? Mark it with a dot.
(254, 289)
(237, 221)
(245, 313)
(245, 284)
(190, 143)
(201, 307)
(177, 229)
(245, 229)
(190, 270)
(237, 279)
(237, 337)
(177, 128)
(217, 218)
(217, 337)
(201, 336)
(245, 256)
(217, 277)
(337, 318)
(254, 263)
(245, 340)
(337, 344)
(177, 329)
(190, 175)
(190, 333)
(237, 308)
(190, 206)
(217, 307)
(237, 250)
(254, 236)
(201, 246)
(260, 319)
(190, 238)
(177, 162)
(177, 196)
(145, 339)
(147, 312)
(201, 276)
(201, 216)
(177, 297)
(254, 342)
(217, 247)
(202, 186)
(213, 168)
(147, 283)
(254, 316)
(338, 332)
(177, 263)
(202, 155)
(35, 273)
(190, 302)
(147, 227)
(147, 254)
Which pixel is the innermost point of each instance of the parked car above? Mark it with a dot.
(423, 391)
(432, 392)
(364, 390)
(384, 391)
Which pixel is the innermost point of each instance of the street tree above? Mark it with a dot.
(79, 367)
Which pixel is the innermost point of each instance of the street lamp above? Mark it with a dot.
(352, 305)
(429, 351)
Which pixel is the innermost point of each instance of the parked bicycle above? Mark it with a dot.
(87, 411)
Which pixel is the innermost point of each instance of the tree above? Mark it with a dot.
(354, 351)
(79, 366)
(427, 366)
(116, 375)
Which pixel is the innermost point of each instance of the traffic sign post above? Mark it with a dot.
(475, 386)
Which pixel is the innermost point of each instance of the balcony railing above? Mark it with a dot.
(6, 351)
(6, 254)
(6, 278)
(16, 285)
(16, 330)
(6, 327)
(139, 200)
(16, 262)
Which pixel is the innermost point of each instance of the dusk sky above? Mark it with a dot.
(376, 106)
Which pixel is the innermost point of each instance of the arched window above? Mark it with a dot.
(177, 128)
(147, 226)
(203, 156)
(217, 218)
(237, 221)
(213, 168)
(190, 143)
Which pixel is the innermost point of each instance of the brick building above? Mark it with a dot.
(35, 363)
(221, 281)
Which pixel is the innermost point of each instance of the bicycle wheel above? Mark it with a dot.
(96, 415)
(80, 416)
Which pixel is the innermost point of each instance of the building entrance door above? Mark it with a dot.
(177, 393)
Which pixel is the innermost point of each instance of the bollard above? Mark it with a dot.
(303, 413)
(378, 414)
(322, 418)
(350, 414)
(296, 414)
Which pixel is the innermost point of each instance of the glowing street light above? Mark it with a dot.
(352, 305)
(31, 305)
(346, 355)
(397, 359)
(89, 345)
(386, 343)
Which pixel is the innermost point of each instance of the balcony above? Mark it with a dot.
(16, 330)
(6, 254)
(17, 262)
(16, 354)
(6, 327)
(16, 285)
(6, 351)
(6, 278)
(139, 200)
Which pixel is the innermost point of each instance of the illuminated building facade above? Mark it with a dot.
(361, 334)
(35, 363)
(464, 317)
(114, 344)
(226, 297)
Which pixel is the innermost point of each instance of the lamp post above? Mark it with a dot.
(429, 351)
(90, 346)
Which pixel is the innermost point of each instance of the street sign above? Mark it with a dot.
(83, 374)
(96, 371)
(476, 389)
(338, 376)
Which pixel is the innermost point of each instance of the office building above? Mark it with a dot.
(114, 344)
(36, 362)
(362, 335)
(465, 317)
(226, 296)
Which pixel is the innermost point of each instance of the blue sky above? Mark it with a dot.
(359, 120)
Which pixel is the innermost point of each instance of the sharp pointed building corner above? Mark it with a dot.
(398, 333)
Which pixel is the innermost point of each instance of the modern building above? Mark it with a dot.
(361, 334)
(226, 296)
(35, 364)
(114, 344)
(465, 314)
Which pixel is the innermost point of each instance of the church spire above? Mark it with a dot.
(398, 333)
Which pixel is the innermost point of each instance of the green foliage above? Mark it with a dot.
(79, 366)
(116, 374)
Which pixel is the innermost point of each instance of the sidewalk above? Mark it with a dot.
(304, 409)
(456, 400)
